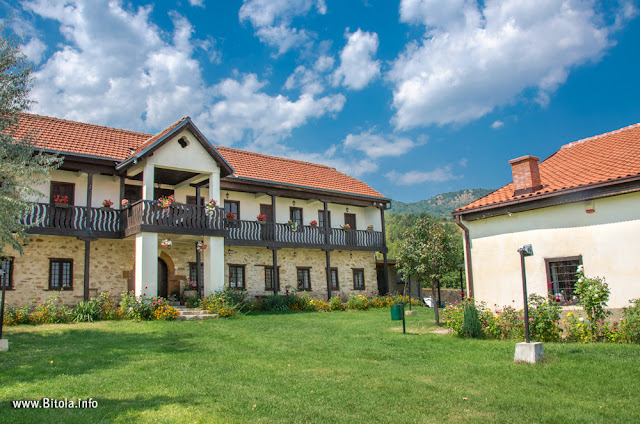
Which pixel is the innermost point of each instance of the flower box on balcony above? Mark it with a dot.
(61, 205)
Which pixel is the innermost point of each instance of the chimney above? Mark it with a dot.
(526, 175)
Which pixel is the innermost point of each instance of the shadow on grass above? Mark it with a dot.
(46, 354)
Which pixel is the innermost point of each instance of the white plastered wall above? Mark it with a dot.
(608, 241)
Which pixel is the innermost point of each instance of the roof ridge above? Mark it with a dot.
(319, 165)
(595, 137)
(86, 123)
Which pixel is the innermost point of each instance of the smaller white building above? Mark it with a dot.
(580, 206)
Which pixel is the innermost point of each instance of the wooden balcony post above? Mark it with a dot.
(87, 242)
(385, 287)
(148, 179)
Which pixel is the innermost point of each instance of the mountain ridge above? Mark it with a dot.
(440, 205)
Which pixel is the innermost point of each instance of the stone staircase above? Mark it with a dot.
(188, 314)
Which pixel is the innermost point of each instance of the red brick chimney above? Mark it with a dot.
(526, 175)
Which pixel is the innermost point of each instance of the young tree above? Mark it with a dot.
(23, 166)
(427, 251)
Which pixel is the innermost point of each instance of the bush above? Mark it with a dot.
(453, 316)
(471, 326)
(109, 309)
(138, 308)
(505, 324)
(165, 312)
(225, 303)
(17, 316)
(335, 304)
(544, 316)
(593, 294)
(50, 312)
(87, 311)
(358, 302)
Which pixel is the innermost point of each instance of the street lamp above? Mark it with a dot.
(4, 345)
(527, 351)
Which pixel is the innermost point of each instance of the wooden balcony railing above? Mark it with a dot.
(189, 219)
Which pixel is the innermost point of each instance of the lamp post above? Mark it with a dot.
(2, 307)
(527, 352)
(460, 268)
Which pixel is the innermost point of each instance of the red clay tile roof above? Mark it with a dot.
(606, 157)
(77, 137)
(111, 143)
(288, 171)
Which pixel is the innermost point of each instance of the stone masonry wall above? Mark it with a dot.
(256, 258)
(112, 263)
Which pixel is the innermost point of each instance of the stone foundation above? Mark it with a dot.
(113, 263)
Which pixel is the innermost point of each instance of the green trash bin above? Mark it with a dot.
(396, 312)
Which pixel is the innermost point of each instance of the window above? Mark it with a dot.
(60, 274)
(321, 218)
(334, 279)
(132, 193)
(6, 279)
(192, 271)
(304, 279)
(295, 215)
(561, 277)
(269, 278)
(62, 190)
(236, 277)
(232, 206)
(358, 279)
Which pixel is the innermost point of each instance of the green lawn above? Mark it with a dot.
(308, 367)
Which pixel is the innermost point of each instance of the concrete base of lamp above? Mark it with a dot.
(4, 345)
(529, 352)
(410, 313)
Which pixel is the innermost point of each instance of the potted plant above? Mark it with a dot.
(61, 201)
(124, 203)
(200, 246)
(210, 207)
(346, 227)
(189, 290)
(107, 203)
(314, 223)
(293, 225)
(369, 227)
(262, 218)
(166, 243)
(230, 216)
(165, 201)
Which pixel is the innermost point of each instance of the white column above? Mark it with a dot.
(214, 185)
(147, 181)
(147, 264)
(213, 262)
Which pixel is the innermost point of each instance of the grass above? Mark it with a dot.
(308, 367)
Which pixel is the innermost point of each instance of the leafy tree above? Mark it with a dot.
(23, 166)
(427, 251)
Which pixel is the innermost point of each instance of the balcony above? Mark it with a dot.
(147, 216)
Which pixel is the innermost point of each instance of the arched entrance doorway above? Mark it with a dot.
(163, 278)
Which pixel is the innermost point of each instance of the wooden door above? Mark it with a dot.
(267, 230)
(350, 236)
(163, 279)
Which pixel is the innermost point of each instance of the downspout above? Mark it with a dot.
(467, 249)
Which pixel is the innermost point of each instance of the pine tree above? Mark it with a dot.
(22, 165)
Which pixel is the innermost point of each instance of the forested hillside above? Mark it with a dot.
(441, 205)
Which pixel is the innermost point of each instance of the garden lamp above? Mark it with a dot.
(526, 250)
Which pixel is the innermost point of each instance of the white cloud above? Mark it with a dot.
(497, 124)
(34, 50)
(478, 55)
(263, 13)
(282, 37)
(246, 112)
(310, 80)
(438, 175)
(199, 3)
(357, 68)
(272, 21)
(353, 167)
(379, 145)
(116, 67)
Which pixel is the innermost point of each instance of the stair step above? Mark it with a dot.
(194, 317)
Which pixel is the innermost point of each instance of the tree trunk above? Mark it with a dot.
(435, 301)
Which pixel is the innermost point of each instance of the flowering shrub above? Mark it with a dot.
(189, 285)
(231, 215)
(224, 303)
(358, 301)
(109, 306)
(165, 202)
(139, 308)
(593, 294)
(544, 317)
(50, 312)
(335, 304)
(261, 217)
(507, 323)
(629, 327)
(16, 316)
(165, 312)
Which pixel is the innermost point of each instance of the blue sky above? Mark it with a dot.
(415, 97)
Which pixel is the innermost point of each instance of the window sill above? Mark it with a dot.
(8, 289)
(58, 290)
